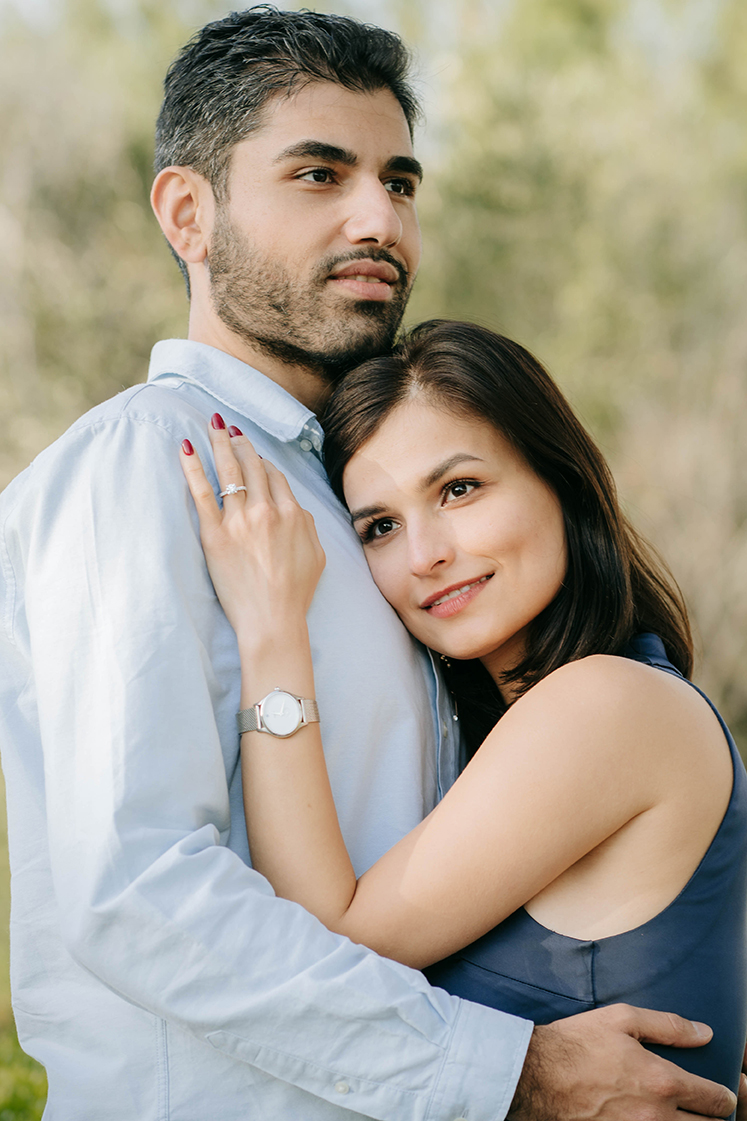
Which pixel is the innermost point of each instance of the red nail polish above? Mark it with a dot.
(217, 421)
(187, 448)
(234, 431)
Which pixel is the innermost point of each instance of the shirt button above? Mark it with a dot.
(342, 1088)
(305, 445)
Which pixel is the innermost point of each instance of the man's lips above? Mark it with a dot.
(366, 279)
(450, 600)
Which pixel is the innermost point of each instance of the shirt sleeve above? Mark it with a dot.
(122, 622)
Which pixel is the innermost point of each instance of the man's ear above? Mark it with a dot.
(184, 204)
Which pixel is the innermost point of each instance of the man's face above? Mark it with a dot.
(315, 250)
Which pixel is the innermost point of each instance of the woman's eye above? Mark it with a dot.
(459, 489)
(378, 529)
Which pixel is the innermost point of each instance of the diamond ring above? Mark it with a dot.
(231, 489)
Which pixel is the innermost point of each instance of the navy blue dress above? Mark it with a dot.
(689, 959)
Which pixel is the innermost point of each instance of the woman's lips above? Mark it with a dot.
(457, 599)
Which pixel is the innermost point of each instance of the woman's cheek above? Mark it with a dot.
(390, 578)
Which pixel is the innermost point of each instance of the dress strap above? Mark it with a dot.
(649, 649)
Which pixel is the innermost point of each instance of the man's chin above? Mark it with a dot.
(333, 361)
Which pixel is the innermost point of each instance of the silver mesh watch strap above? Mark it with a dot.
(309, 710)
(248, 719)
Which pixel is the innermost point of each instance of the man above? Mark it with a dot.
(155, 974)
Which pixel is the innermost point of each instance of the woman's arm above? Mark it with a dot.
(569, 765)
(265, 561)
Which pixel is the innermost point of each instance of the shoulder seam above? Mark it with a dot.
(109, 421)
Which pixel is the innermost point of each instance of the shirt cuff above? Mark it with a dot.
(481, 1067)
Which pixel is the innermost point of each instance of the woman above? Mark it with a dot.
(594, 848)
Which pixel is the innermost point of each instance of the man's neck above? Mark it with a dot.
(308, 387)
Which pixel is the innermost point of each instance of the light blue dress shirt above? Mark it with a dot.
(154, 973)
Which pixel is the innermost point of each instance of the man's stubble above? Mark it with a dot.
(300, 322)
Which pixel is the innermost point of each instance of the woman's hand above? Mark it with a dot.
(262, 549)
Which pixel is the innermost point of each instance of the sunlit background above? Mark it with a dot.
(586, 193)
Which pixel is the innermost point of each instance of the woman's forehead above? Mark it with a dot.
(419, 439)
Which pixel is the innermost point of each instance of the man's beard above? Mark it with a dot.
(300, 322)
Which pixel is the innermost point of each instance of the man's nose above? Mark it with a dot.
(429, 548)
(373, 217)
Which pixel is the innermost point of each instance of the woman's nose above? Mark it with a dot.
(428, 548)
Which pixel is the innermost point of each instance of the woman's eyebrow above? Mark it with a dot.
(452, 461)
(428, 481)
(366, 512)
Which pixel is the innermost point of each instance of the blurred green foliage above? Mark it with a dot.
(587, 196)
(23, 1085)
(586, 193)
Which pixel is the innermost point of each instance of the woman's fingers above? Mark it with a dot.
(247, 477)
(237, 464)
(202, 492)
(228, 468)
(278, 485)
(262, 549)
(282, 493)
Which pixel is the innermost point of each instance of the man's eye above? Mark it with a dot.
(317, 175)
(400, 186)
(460, 488)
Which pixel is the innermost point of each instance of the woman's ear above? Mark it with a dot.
(184, 204)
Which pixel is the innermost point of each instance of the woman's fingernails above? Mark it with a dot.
(187, 448)
(217, 421)
(234, 431)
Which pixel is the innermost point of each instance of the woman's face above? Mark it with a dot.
(464, 540)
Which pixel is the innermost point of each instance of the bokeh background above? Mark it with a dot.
(586, 193)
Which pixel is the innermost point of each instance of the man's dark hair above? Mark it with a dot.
(615, 585)
(217, 88)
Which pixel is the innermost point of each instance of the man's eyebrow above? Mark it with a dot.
(366, 512)
(331, 153)
(317, 150)
(407, 165)
(452, 461)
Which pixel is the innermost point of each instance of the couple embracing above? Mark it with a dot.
(512, 883)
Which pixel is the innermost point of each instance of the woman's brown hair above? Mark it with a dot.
(615, 585)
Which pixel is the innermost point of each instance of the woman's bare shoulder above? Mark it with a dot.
(603, 680)
(621, 703)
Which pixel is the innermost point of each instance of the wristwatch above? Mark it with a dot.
(279, 713)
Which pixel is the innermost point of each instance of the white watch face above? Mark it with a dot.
(281, 713)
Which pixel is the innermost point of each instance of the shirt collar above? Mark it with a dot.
(240, 387)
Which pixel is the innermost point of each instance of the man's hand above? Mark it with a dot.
(742, 1102)
(592, 1068)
